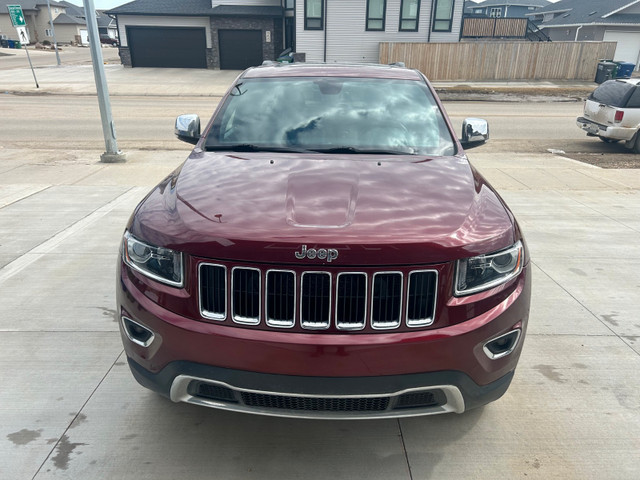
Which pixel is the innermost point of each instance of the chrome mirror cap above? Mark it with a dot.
(187, 128)
(475, 131)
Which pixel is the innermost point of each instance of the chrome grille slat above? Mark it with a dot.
(378, 300)
(213, 291)
(386, 300)
(245, 303)
(421, 298)
(281, 298)
(315, 300)
(351, 301)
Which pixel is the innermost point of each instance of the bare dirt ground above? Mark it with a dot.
(609, 160)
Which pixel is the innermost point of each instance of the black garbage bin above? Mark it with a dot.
(606, 71)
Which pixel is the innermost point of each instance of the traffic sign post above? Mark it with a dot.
(17, 17)
(23, 35)
(19, 22)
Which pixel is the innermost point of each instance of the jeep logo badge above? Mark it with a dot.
(328, 254)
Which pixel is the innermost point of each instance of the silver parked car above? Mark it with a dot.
(612, 113)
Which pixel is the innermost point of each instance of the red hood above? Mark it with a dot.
(374, 209)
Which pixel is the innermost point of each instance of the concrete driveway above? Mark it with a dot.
(69, 407)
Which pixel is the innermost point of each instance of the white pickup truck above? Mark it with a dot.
(612, 113)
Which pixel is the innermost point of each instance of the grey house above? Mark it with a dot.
(504, 8)
(594, 20)
(235, 34)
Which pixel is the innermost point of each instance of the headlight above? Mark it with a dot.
(161, 264)
(487, 271)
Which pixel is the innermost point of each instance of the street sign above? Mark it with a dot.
(17, 17)
(23, 35)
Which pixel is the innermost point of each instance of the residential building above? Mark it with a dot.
(36, 15)
(503, 8)
(234, 34)
(594, 20)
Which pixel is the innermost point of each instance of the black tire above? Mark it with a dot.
(636, 144)
(608, 140)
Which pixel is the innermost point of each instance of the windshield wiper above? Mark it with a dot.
(364, 151)
(248, 147)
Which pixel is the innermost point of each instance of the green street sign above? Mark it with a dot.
(17, 17)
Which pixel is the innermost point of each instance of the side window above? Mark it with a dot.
(409, 13)
(376, 14)
(313, 14)
(634, 100)
(443, 18)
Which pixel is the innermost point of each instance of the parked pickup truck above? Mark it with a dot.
(612, 113)
(326, 251)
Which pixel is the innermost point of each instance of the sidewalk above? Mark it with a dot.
(79, 80)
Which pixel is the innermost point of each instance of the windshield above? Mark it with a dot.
(348, 115)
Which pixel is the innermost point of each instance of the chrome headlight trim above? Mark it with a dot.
(492, 262)
(152, 252)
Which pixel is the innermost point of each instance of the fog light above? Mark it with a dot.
(503, 345)
(138, 334)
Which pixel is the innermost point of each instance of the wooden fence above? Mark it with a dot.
(501, 60)
(494, 27)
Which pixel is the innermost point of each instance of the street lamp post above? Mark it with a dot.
(112, 154)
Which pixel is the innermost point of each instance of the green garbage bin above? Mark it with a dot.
(18, 44)
(606, 71)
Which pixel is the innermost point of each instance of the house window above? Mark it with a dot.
(290, 4)
(376, 14)
(409, 13)
(48, 32)
(495, 12)
(443, 18)
(313, 14)
(55, 10)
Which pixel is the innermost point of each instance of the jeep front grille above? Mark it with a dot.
(318, 300)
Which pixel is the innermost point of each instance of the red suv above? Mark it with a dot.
(325, 251)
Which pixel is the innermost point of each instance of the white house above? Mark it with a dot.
(235, 34)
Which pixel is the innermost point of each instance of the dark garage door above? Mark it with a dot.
(240, 49)
(168, 47)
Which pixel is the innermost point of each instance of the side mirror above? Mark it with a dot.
(475, 131)
(188, 128)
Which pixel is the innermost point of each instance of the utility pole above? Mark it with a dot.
(53, 33)
(112, 154)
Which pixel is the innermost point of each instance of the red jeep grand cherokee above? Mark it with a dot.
(325, 251)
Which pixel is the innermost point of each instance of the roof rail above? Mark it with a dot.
(269, 63)
(397, 64)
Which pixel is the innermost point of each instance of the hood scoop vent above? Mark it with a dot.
(321, 200)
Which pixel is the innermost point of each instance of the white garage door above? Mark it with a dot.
(628, 49)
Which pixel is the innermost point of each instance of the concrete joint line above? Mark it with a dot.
(22, 194)
(48, 246)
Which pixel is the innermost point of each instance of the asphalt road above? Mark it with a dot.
(49, 121)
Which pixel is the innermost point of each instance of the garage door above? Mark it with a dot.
(240, 49)
(628, 49)
(169, 47)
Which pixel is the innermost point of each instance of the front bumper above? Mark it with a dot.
(605, 131)
(320, 397)
(446, 369)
